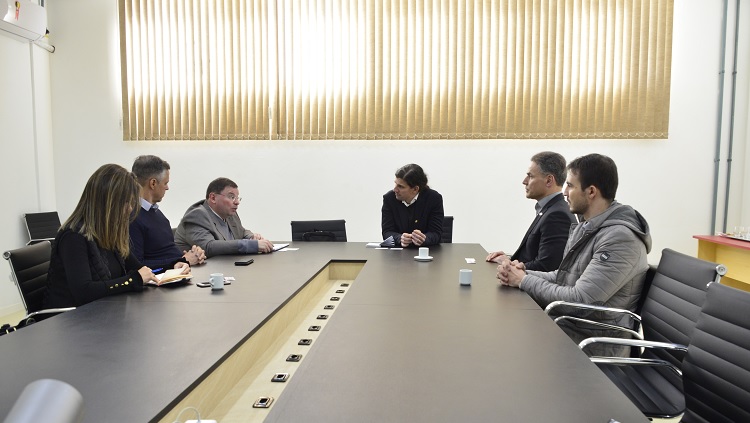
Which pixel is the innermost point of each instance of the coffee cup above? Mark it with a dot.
(217, 281)
(464, 276)
(424, 252)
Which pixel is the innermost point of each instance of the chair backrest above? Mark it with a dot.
(29, 266)
(650, 274)
(319, 230)
(447, 237)
(41, 226)
(674, 301)
(716, 369)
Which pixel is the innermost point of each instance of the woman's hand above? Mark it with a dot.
(147, 275)
(184, 267)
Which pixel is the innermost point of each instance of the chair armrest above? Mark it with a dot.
(591, 307)
(581, 306)
(630, 361)
(631, 332)
(633, 343)
(46, 311)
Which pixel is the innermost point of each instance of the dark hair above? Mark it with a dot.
(413, 175)
(103, 213)
(217, 186)
(147, 167)
(597, 170)
(551, 163)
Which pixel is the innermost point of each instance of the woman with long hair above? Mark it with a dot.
(91, 255)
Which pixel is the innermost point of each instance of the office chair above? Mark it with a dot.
(319, 230)
(717, 364)
(29, 266)
(447, 237)
(652, 380)
(41, 226)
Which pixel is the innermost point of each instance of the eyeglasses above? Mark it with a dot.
(231, 197)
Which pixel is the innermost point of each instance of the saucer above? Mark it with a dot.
(428, 258)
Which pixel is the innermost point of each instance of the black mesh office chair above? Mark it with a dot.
(716, 369)
(29, 266)
(447, 237)
(652, 381)
(319, 230)
(41, 226)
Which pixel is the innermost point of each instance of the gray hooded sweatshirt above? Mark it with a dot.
(604, 263)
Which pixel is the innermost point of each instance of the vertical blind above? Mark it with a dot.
(395, 69)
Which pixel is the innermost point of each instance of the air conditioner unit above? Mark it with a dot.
(23, 18)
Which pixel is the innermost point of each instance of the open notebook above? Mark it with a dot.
(170, 276)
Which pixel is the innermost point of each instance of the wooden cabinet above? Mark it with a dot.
(732, 253)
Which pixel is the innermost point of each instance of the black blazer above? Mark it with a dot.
(543, 245)
(426, 214)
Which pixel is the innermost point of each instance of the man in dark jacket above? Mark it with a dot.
(412, 212)
(542, 246)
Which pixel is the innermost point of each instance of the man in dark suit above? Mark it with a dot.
(542, 246)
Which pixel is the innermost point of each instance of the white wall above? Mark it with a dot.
(26, 166)
(739, 204)
(669, 181)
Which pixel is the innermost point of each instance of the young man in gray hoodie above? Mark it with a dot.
(605, 259)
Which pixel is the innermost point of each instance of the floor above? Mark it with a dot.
(12, 318)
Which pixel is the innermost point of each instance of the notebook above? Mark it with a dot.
(171, 276)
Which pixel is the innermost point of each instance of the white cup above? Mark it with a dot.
(464, 276)
(424, 252)
(217, 281)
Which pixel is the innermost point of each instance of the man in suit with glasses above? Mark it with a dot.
(213, 224)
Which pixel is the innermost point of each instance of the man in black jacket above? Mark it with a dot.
(412, 213)
(542, 246)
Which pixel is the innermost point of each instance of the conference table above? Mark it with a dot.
(393, 339)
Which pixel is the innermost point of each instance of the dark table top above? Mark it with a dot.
(407, 343)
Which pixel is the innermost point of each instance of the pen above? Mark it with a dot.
(157, 270)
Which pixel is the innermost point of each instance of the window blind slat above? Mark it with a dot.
(395, 69)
